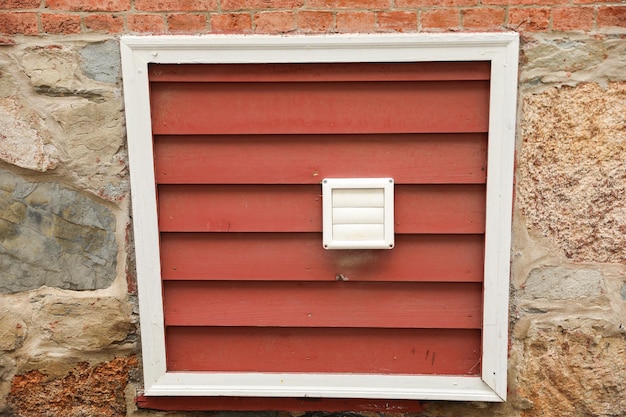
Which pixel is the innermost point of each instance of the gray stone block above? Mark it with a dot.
(101, 61)
(558, 283)
(53, 236)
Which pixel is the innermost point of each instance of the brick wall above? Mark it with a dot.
(33, 17)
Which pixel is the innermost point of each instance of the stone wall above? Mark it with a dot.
(68, 308)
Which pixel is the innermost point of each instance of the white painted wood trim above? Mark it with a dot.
(144, 212)
(317, 386)
(501, 49)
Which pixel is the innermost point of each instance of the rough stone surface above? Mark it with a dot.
(558, 283)
(8, 86)
(101, 61)
(50, 235)
(557, 59)
(52, 69)
(85, 391)
(92, 134)
(623, 292)
(83, 324)
(572, 176)
(82, 112)
(12, 332)
(7, 367)
(573, 372)
(20, 143)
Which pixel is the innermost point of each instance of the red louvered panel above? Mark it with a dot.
(240, 151)
(300, 257)
(323, 304)
(320, 108)
(306, 159)
(424, 71)
(291, 208)
(351, 350)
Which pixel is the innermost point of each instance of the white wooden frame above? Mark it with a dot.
(501, 49)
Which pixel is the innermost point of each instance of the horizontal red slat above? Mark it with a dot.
(290, 208)
(423, 71)
(323, 304)
(306, 159)
(277, 404)
(300, 256)
(262, 349)
(330, 107)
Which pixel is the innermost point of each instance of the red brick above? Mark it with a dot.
(60, 23)
(20, 4)
(261, 4)
(530, 19)
(187, 23)
(483, 18)
(440, 19)
(350, 4)
(573, 18)
(524, 2)
(89, 6)
(314, 21)
(355, 21)
(146, 23)
(104, 23)
(396, 21)
(19, 23)
(612, 16)
(435, 3)
(231, 23)
(175, 5)
(274, 22)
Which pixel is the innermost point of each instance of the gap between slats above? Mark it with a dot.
(300, 257)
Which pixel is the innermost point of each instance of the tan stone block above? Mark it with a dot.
(573, 372)
(90, 140)
(571, 183)
(51, 67)
(84, 324)
(12, 332)
(21, 141)
(555, 60)
(78, 96)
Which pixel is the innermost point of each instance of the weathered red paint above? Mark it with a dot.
(300, 257)
(320, 108)
(410, 71)
(306, 159)
(315, 349)
(278, 404)
(323, 304)
(437, 209)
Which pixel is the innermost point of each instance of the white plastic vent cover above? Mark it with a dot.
(358, 213)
